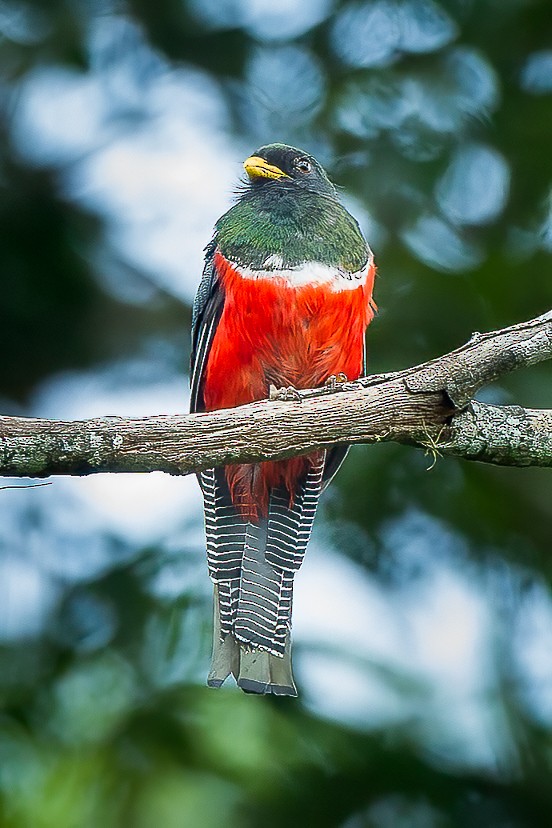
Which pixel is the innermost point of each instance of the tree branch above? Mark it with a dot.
(429, 406)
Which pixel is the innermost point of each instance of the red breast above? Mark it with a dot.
(271, 332)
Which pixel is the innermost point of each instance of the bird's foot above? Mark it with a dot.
(336, 380)
(287, 393)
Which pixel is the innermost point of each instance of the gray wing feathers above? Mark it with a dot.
(204, 292)
(206, 312)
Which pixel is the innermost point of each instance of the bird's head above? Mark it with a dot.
(281, 166)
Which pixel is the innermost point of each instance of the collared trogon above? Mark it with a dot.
(285, 299)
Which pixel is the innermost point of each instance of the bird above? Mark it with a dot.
(284, 301)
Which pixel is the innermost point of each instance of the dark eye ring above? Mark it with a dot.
(303, 165)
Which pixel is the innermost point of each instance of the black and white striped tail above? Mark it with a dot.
(252, 563)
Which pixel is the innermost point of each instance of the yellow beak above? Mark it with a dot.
(257, 167)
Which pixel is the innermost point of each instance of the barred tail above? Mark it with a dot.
(252, 561)
(255, 671)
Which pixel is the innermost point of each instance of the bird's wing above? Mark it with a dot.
(337, 454)
(334, 458)
(208, 305)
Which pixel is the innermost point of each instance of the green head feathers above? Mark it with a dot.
(289, 208)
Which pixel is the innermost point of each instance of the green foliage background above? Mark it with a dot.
(436, 120)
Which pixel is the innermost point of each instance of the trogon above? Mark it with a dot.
(285, 299)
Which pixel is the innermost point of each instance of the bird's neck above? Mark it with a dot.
(290, 228)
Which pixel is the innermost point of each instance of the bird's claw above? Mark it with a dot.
(336, 380)
(287, 393)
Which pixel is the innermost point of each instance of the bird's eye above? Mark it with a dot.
(303, 165)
